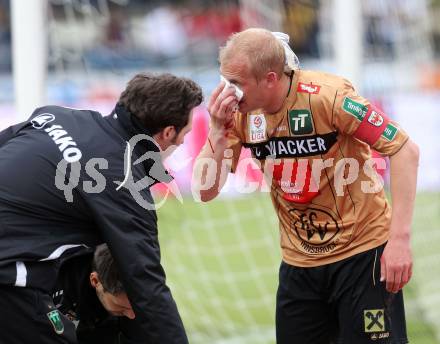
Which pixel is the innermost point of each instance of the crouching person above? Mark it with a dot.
(91, 295)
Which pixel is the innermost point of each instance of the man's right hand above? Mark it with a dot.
(221, 108)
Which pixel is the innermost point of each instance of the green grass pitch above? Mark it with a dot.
(222, 259)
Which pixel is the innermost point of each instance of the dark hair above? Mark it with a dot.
(159, 101)
(108, 273)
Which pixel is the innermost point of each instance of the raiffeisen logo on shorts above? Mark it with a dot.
(41, 120)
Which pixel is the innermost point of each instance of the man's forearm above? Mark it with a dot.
(403, 177)
(208, 178)
(396, 260)
(210, 173)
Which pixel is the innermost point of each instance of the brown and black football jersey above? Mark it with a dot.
(317, 153)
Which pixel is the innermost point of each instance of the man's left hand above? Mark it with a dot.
(396, 264)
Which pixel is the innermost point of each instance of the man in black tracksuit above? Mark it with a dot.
(72, 179)
(89, 292)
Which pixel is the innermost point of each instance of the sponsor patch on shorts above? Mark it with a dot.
(374, 320)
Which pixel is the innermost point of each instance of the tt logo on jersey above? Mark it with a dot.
(41, 120)
(257, 128)
(308, 88)
(300, 122)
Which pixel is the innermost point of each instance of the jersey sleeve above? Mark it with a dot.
(355, 116)
(130, 231)
(236, 139)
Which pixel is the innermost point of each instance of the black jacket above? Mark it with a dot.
(75, 297)
(42, 224)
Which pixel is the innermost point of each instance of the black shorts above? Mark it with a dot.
(29, 316)
(339, 303)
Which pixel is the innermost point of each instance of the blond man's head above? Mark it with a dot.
(259, 47)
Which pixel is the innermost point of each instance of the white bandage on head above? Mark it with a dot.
(291, 58)
(238, 91)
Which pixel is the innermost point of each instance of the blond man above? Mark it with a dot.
(345, 254)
